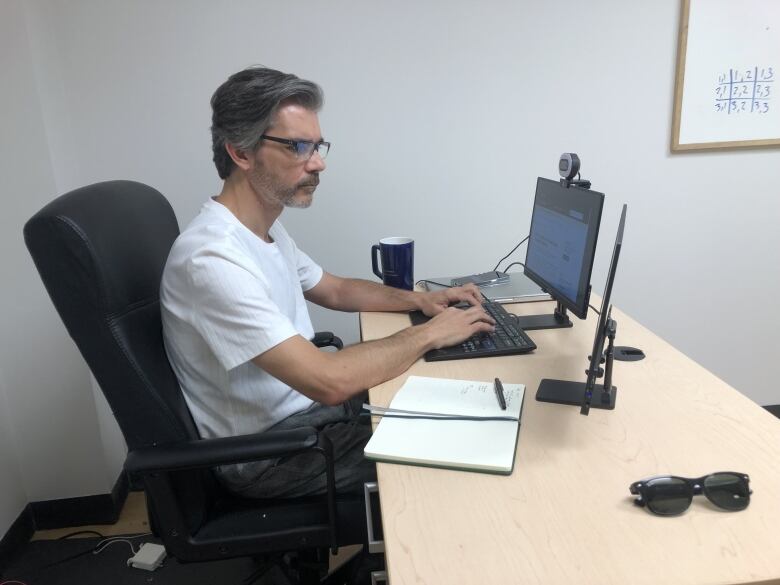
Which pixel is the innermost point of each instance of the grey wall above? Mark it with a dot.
(442, 115)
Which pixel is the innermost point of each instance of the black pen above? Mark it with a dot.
(500, 394)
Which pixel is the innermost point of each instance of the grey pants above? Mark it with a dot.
(303, 474)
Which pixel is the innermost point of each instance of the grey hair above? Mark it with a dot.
(244, 107)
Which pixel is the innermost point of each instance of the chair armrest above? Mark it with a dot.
(327, 339)
(213, 452)
(207, 453)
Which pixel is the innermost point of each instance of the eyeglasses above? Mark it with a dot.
(667, 495)
(303, 149)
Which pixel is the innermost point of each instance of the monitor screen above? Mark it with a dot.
(562, 243)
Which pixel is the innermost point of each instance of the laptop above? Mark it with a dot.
(518, 289)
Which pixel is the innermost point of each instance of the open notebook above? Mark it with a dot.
(476, 445)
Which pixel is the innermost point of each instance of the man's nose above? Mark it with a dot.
(315, 164)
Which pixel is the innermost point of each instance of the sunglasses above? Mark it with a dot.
(668, 495)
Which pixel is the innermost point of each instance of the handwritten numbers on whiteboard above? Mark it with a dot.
(744, 90)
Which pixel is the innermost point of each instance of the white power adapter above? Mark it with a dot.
(148, 558)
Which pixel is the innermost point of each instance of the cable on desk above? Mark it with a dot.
(381, 411)
(514, 264)
(511, 251)
(434, 282)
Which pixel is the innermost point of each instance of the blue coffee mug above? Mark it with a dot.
(397, 262)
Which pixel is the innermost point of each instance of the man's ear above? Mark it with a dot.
(240, 157)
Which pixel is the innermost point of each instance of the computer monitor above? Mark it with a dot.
(561, 247)
(588, 395)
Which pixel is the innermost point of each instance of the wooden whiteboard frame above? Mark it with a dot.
(678, 94)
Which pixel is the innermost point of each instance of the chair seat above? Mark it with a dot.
(281, 521)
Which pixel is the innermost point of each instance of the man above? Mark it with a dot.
(233, 294)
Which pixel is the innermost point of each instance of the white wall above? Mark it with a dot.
(13, 498)
(12, 493)
(441, 114)
(50, 443)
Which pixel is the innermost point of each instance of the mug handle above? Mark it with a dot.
(375, 262)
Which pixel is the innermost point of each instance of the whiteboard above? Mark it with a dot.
(728, 64)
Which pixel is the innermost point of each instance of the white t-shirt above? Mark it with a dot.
(226, 297)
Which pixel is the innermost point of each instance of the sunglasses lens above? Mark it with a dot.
(668, 495)
(727, 490)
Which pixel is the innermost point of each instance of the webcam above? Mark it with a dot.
(569, 165)
(568, 168)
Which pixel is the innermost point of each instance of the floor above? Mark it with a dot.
(49, 547)
(132, 520)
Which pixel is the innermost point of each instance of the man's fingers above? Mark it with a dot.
(479, 313)
(482, 327)
(474, 294)
(469, 293)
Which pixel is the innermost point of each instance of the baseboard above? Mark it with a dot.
(99, 509)
(16, 538)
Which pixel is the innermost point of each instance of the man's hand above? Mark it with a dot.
(451, 326)
(433, 303)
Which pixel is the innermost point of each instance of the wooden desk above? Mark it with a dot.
(565, 515)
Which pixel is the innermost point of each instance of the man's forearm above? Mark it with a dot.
(332, 377)
(363, 295)
(370, 363)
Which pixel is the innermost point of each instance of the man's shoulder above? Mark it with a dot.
(207, 238)
(209, 229)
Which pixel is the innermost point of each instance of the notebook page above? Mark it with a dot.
(473, 445)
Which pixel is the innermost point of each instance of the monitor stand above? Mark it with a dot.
(602, 395)
(565, 392)
(558, 319)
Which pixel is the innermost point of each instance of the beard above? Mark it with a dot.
(271, 190)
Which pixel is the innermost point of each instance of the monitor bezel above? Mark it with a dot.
(584, 287)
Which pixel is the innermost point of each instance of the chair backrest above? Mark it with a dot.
(100, 251)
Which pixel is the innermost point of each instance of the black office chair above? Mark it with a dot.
(774, 409)
(100, 251)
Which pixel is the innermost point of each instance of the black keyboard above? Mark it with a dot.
(507, 339)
